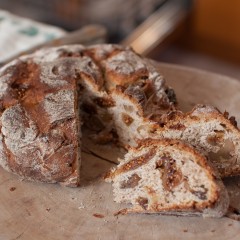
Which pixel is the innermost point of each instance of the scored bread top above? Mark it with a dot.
(38, 122)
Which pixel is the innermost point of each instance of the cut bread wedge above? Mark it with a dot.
(211, 132)
(205, 127)
(168, 177)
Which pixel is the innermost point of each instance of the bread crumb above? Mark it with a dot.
(185, 230)
(81, 206)
(120, 212)
(213, 230)
(98, 215)
(48, 209)
(12, 189)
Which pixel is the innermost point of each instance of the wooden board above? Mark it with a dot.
(48, 211)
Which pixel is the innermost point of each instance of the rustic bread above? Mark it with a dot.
(170, 178)
(42, 96)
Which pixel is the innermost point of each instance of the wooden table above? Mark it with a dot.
(50, 212)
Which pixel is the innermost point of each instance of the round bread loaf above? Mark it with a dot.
(45, 96)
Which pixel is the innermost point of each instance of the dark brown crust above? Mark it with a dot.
(184, 211)
(27, 91)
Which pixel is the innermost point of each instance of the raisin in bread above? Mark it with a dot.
(170, 178)
(45, 96)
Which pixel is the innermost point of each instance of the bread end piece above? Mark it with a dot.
(168, 177)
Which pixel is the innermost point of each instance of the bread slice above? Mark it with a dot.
(170, 178)
(211, 132)
(205, 127)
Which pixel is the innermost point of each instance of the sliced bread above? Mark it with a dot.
(211, 132)
(170, 178)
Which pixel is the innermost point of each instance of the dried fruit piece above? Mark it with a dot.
(172, 176)
(131, 182)
(143, 202)
(104, 102)
(138, 161)
(127, 119)
(216, 139)
(224, 152)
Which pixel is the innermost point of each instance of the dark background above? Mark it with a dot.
(207, 38)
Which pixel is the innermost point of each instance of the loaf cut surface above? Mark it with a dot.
(170, 178)
(213, 133)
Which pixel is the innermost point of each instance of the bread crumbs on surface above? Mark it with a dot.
(98, 215)
(12, 189)
(81, 206)
(185, 230)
